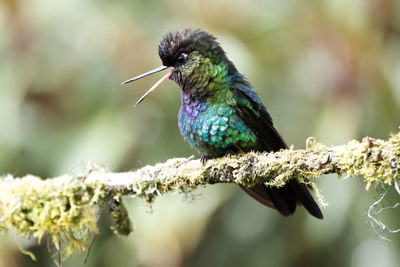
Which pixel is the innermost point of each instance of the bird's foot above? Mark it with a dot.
(204, 159)
(230, 152)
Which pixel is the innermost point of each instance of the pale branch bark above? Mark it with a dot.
(376, 160)
(67, 206)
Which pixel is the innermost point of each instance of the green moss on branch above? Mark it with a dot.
(66, 207)
(62, 207)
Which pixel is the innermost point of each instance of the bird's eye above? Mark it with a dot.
(182, 58)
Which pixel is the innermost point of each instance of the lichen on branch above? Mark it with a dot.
(63, 207)
(67, 207)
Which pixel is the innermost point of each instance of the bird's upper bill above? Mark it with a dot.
(174, 49)
(165, 77)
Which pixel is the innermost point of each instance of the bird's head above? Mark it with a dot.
(195, 60)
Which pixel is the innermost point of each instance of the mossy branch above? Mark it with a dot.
(67, 207)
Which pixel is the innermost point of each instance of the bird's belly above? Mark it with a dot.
(215, 130)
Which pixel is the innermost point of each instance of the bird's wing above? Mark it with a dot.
(255, 115)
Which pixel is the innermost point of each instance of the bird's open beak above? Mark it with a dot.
(165, 77)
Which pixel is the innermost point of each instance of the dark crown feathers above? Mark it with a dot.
(175, 43)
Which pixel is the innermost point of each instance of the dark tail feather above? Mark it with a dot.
(259, 193)
(284, 199)
(276, 198)
(304, 197)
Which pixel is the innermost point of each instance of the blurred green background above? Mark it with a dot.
(329, 69)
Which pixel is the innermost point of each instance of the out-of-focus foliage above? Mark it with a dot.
(329, 69)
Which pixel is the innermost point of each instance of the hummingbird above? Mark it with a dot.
(221, 113)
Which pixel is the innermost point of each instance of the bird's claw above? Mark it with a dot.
(230, 152)
(204, 159)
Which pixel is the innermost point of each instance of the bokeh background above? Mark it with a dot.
(329, 69)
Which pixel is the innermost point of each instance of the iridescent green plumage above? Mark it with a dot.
(222, 114)
(210, 124)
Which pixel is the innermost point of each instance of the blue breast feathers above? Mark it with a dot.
(214, 127)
